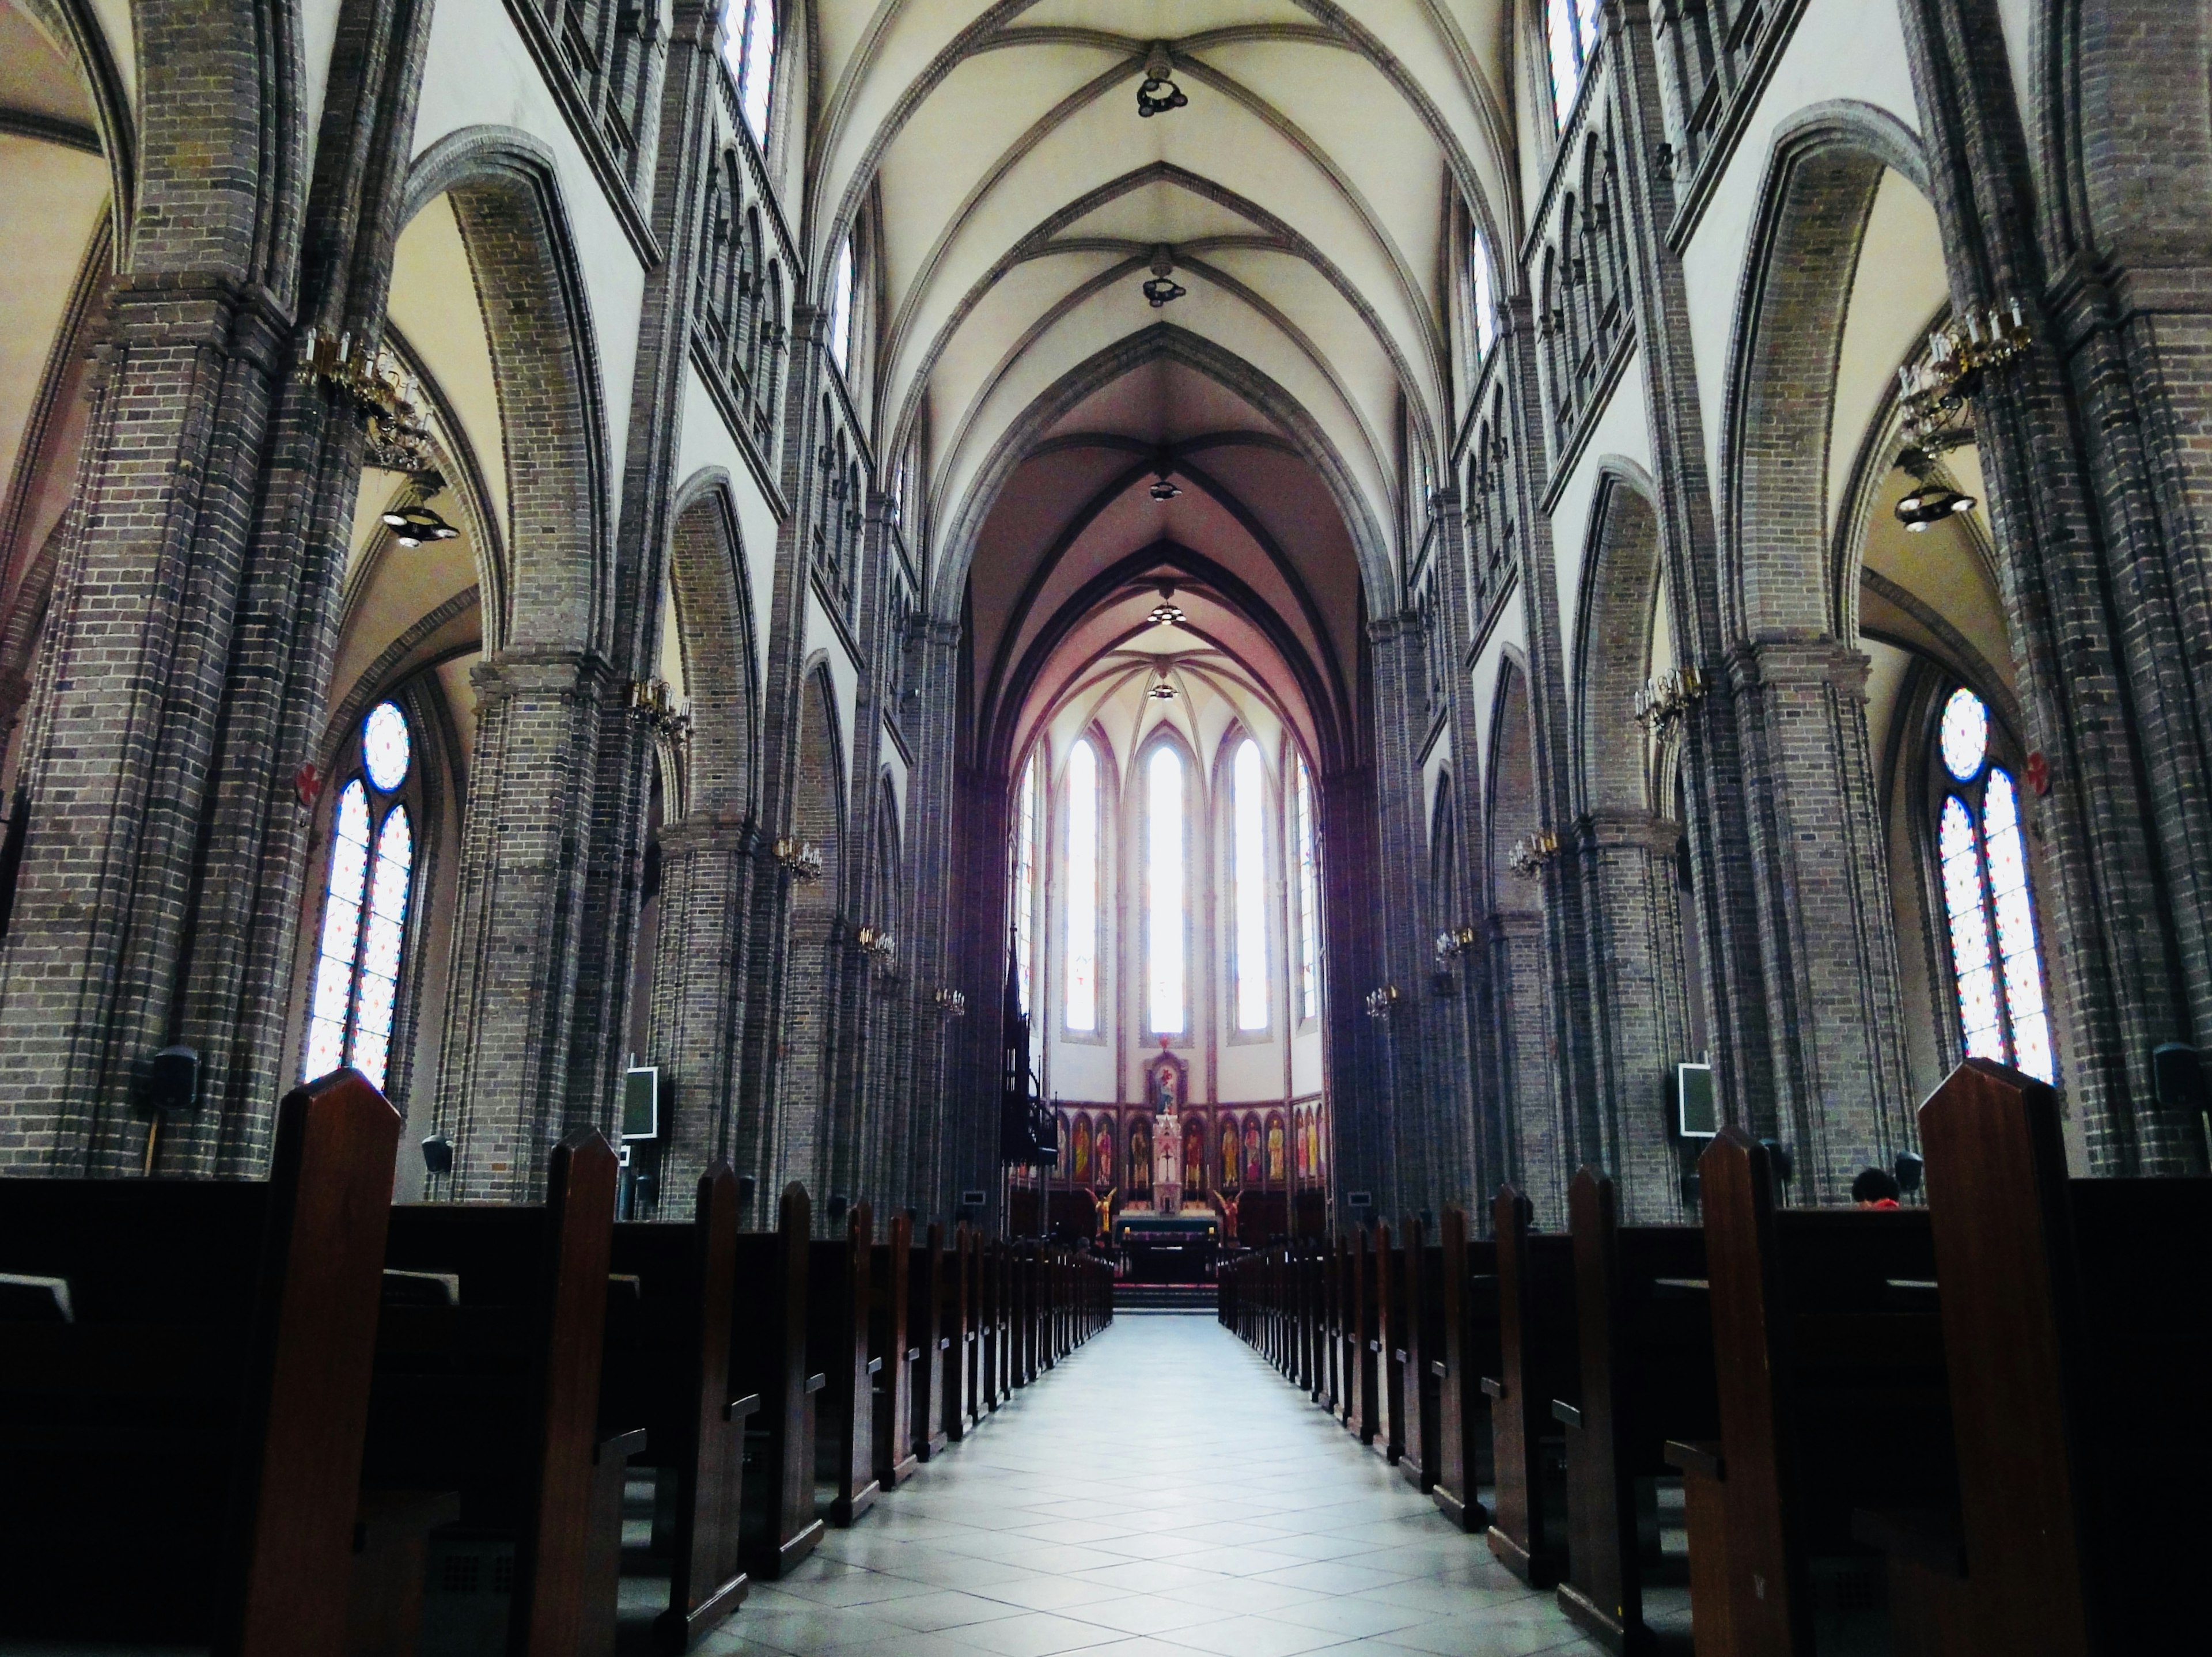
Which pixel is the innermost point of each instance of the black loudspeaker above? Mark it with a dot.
(1785, 1167)
(437, 1155)
(745, 1183)
(1693, 1187)
(1908, 1170)
(172, 1086)
(838, 1203)
(2178, 1072)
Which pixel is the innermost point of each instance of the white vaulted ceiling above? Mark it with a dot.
(1303, 195)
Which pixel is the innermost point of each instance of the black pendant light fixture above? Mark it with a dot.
(1157, 94)
(1162, 288)
(1929, 500)
(413, 522)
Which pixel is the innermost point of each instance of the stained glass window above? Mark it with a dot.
(355, 995)
(1997, 964)
(841, 306)
(1484, 277)
(1570, 35)
(1249, 784)
(1164, 858)
(1022, 898)
(1308, 902)
(1083, 887)
(752, 50)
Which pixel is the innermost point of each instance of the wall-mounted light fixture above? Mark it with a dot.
(1531, 852)
(1157, 94)
(1933, 390)
(1661, 702)
(949, 1003)
(1382, 1002)
(1452, 943)
(652, 704)
(880, 947)
(382, 392)
(802, 858)
(1929, 500)
(1162, 288)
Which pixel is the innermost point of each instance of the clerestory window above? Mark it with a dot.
(1164, 885)
(1083, 887)
(366, 890)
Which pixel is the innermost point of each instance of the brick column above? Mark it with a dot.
(1538, 1156)
(707, 870)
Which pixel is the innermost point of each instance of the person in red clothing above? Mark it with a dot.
(1875, 1189)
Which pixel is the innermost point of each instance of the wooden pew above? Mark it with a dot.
(1644, 1329)
(1389, 1265)
(767, 1358)
(2077, 1323)
(490, 1384)
(1829, 1373)
(185, 1401)
(1421, 1337)
(960, 1333)
(667, 1368)
(1360, 1344)
(931, 1334)
(1537, 1364)
(1340, 1328)
(839, 1280)
(888, 1336)
(1466, 1268)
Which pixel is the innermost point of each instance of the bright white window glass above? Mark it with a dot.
(1565, 55)
(841, 306)
(1484, 278)
(756, 66)
(1250, 781)
(1308, 902)
(1083, 887)
(1964, 900)
(1023, 896)
(2016, 946)
(356, 992)
(340, 948)
(1963, 734)
(1163, 859)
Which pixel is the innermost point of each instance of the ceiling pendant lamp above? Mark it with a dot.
(1928, 501)
(1163, 690)
(1157, 95)
(1167, 612)
(1162, 288)
(413, 522)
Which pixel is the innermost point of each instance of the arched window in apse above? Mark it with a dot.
(1482, 277)
(1022, 898)
(1995, 961)
(1249, 783)
(1308, 902)
(751, 48)
(1571, 34)
(1083, 887)
(356, 992)
(840, 306)
(1163, 868)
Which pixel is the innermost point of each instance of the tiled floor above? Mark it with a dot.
(1163, 1492)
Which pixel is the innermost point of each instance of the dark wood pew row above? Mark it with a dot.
(767, 1360)
(1538, 1365)
(960, 1330)
(1419, 1338)
(668, 1369)
(1341, 1327)
(1644, 1330)
(2077, 1320)
(891, 1348)
(840, 1279)
(184, 1380)
(1360, 1345)
(1467, 1272)
(932, 1337)
(1314, 1277)
(486, 1381)
(1829, 1356)
(1389, 1271)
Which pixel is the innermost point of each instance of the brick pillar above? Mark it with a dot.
(1539, 1157)
(934, 950)
(502, 1095)
(1409, 1178)
(1839, 1060)
(1639, 1021)
(706, 871)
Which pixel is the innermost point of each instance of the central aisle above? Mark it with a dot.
(1163, 1491)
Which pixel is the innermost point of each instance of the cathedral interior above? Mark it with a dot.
(1517, 693)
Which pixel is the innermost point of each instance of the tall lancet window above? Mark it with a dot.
(1308, 902)
(841, 306)
(1164, 881)
(1996, 962)
(1571, 33)
(1023, 899)
(1482, 278)
(1083, 887)
(1249, 783)
(365, 899)
(751, 48)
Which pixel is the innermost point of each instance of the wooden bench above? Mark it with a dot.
(839, 1281)
(2077, 1323)
(1467, 1269)
(768, 1359)
(1419, 1338)
(890, 1313)
(668, 1368)
(1360, 1344)
(1644, 1330)
(183, 1381)
(486, 1380)
(929, 1408)
(1829, 1375)
(1537, 1364)
(959, 1334)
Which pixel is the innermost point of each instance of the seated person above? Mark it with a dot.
(1874, 1189)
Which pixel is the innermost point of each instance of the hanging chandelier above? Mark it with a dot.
(1167, 612)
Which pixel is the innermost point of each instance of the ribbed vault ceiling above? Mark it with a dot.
(1303, 196)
